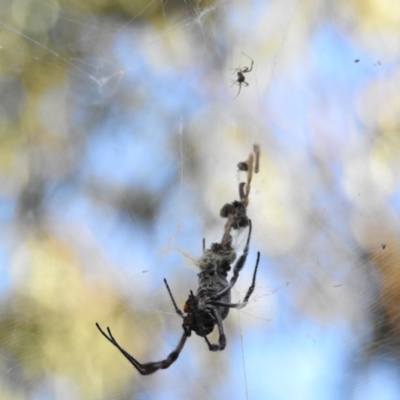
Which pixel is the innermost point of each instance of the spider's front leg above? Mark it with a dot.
(150, 367)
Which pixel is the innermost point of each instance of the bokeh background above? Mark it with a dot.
(119, 138)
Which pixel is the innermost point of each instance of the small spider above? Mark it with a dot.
(241, 79)
(209, 307)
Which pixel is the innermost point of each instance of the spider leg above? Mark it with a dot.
(236, 269)
(229, 305)
(177, 310)
(151, 367)
(111, 339)
(252, 62)
(240, 86)
(253, 282)
(248, 294)
(221, 338)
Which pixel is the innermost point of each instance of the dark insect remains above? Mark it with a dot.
(241, 79)
(212, 301)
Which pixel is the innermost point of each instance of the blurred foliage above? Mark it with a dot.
(47, 323)
(53, 310)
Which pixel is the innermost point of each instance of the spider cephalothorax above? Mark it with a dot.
(201, 312)
(200, 321)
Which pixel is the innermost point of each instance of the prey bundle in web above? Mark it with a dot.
(221, 254)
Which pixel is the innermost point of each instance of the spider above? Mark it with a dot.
(209, 307)
(241, 79)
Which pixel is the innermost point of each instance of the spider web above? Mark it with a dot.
(119, 145)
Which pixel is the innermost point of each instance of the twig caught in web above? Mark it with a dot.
(236, 212)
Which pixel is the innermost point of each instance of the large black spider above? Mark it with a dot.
(208, 308)
(241, 79)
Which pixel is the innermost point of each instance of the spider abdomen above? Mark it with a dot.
(209, 285)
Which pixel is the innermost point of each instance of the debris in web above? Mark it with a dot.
(235, 213)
